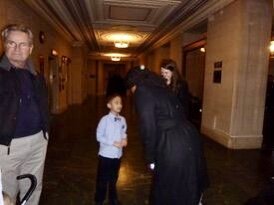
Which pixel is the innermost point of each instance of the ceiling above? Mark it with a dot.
(91, 22)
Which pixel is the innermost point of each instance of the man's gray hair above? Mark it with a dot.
(16, 27)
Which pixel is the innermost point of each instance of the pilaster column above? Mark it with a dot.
(238, 37)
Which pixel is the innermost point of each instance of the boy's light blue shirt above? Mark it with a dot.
(111, 128)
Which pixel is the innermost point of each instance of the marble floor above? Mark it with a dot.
(71, 163)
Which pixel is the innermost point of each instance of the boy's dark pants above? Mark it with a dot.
(107, 176)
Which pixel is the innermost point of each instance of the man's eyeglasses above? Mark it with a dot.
(22, 45)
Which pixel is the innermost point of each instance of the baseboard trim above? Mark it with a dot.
(233, 142)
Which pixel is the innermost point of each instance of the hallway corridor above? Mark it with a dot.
(71, 163)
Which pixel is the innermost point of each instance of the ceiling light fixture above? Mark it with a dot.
(121, 55)
(122, 39)
(115, 58)
(121, 44)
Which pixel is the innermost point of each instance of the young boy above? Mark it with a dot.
(111, 134)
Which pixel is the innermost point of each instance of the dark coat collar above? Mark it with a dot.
(5, 64)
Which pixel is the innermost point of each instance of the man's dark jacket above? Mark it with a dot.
(10, 99)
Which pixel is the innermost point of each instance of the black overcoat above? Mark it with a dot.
(10, 100)
(173, 144)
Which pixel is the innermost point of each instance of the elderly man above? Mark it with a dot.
(23, 114)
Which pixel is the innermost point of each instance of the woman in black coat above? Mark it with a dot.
(172, 144)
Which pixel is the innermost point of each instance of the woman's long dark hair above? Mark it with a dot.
(176, 79)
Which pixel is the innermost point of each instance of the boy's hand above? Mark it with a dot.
(118, 144)
(124, 142)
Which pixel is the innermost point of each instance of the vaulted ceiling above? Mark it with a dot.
(91, 22)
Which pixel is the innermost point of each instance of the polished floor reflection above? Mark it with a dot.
(71, 163)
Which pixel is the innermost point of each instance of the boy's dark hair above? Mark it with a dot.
(111, 96)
